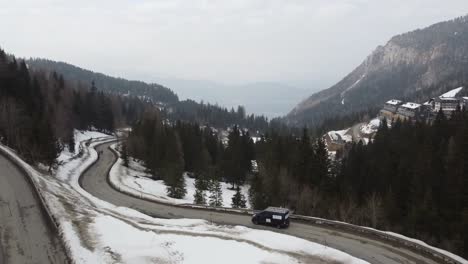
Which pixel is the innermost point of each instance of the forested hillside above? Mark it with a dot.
(154, 92)
(158, 95)
(418, 175)
(40, 110)
(411, 67)
(412, 179)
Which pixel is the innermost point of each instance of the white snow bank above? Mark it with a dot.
(148, 246)
(419, 242)
(136, 181)
(79, 136)
(451, 93)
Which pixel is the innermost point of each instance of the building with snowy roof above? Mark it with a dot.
(390, 109)
(408, 110)
(446, 104)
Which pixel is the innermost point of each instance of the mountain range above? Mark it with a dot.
(412, 66)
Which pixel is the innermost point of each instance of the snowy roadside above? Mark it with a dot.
(95, 231)
(135, 181)
(391, 236)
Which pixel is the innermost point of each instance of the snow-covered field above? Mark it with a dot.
(95, 231)
(136, 181)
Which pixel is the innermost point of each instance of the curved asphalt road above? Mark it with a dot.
(94, 180)
(26, 236)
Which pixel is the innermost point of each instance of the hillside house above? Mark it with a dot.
(336, 140)
(446, 104)
(390, 109)
(408, 111)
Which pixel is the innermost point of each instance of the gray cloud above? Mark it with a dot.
(225, 41)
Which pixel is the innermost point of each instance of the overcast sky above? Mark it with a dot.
(225, 41)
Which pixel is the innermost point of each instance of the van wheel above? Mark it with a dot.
(255, 222)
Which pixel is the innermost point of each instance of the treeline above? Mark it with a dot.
(340, 122)
(170, 149)
(413, 179)
(40, 110)
(292, 172)
(216, 116)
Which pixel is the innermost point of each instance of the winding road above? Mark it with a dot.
(26, 236)
(94, 180)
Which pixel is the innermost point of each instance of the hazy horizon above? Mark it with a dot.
(315, 43)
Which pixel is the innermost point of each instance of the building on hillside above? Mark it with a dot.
(425, 112)
(464, 102)
(408, 111)
(336, 140)
(446, 104)
(390, 109)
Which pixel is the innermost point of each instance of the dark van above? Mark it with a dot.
(274, 216)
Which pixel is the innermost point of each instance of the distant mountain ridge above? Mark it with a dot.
(411, 66)
(272, 99)
(154, 92)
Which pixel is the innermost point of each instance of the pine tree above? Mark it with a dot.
(176, 187)
(199, 196)
(216, 193)
(173, 166)
(125, 154)
(71, 142)
(238, 199)
(257, 195)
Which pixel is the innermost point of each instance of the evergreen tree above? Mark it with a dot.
(173, 166)
(125, 154)
(238, 199)
(216, 193)
(200, 196)
(71, 143)
(257, 195)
